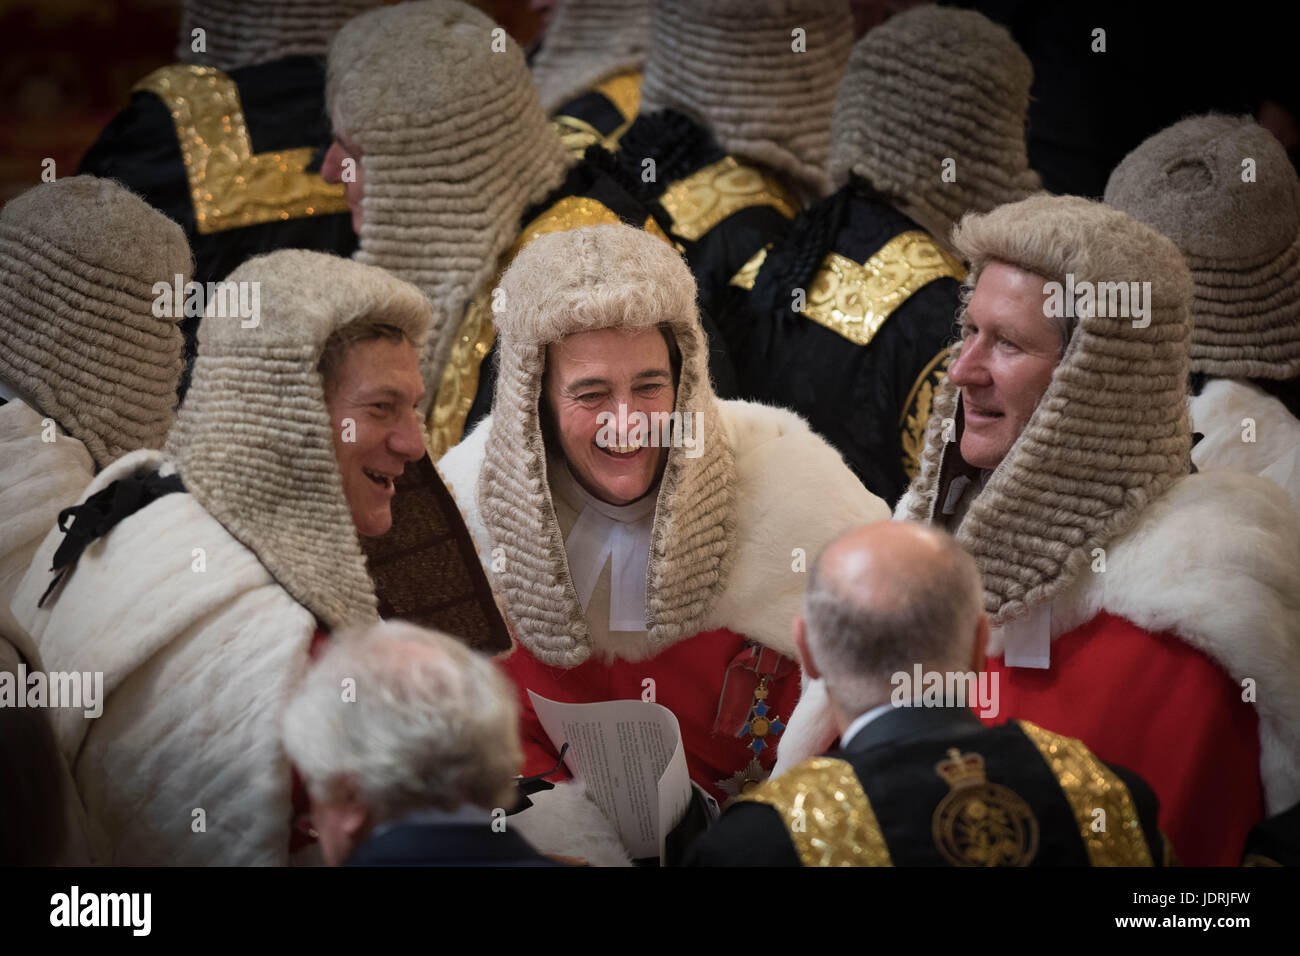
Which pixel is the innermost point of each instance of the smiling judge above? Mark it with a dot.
(641, 532)
(223, 561)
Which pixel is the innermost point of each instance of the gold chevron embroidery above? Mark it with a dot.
(855, 300)
(916, 412)
(624, 91)
(577, 135)
(748, 273)
(826, 813)
(705, 198)
(477, 331)
(459, 383)
(1089, 785)
(229, 186)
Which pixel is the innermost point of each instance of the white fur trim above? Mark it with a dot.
(565, 822)
(794, 492)
(1218, 412)
(809, 731)
(1216, 560)
(196, 667)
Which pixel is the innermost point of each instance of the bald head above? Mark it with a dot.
(887, 596)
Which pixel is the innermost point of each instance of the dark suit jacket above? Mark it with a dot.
(447, 844)
(919, 819)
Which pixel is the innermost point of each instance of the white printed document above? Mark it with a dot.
(629, 755)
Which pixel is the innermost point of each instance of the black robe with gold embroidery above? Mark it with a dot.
(601, 115)
(935, 787)
(720, 210)
(845, 319)
(234, 158)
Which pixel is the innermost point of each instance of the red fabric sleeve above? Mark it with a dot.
(1157, 706)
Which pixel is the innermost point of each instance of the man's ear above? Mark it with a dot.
(349, 808)
(979, 655)
(800, 631)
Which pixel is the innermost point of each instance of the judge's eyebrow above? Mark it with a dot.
(382, 392)
(596, 382)
(582, 383)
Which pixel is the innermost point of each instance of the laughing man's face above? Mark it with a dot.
(592, 372)
(378, 388)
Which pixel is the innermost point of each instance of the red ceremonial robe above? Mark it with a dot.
(707, 681)
(1180, 723)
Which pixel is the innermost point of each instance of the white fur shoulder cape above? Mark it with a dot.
(1246, 430)
(795, 495)
(198, 647)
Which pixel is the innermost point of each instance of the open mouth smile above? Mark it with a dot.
(384, 481)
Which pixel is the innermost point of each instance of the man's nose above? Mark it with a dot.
(407, 439)
(331, 167)
(969, 367)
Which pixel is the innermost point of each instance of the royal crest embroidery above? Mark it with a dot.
(980, 823)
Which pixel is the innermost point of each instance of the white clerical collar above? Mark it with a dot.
(861, 721)
(606, 533)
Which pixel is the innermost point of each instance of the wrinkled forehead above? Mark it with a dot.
(616, 350)
(1010, 298)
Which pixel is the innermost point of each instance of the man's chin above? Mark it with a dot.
(981, 453)
(373, 525)
(621, 491)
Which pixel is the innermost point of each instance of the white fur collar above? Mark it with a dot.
(1246, 430)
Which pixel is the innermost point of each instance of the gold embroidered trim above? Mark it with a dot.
(749, 271)
(624, 91)
(705, 198)
(572, 212)
(578, 135)
(827, 814)
(855, 300)
(1255, 859)
(476, 333)
(1089, 785)
(229, 186)
(624, 94)
(459, 383)
(916, 412)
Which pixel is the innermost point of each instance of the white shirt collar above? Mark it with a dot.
(861, 721)
(607, 534)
